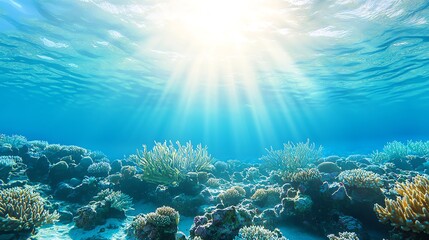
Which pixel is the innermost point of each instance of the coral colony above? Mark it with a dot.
(335, 197)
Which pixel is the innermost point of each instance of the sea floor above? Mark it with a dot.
(115, 229)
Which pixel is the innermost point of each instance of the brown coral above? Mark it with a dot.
(410, 210)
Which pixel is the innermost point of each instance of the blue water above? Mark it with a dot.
(112, 75)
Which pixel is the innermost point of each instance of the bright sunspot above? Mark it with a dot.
(217, 22)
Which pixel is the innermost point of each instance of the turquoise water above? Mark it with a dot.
(112, 75)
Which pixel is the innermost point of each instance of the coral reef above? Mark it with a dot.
(161, 224)
(293, 156)
(221, 223)
(328, 167)
(7, 164)
(326, 195)
(297, 205)
(263, 197)
(168, 165)
(397, 150)
(99, 169)
(115, 199)
(258, 233)
(360, 178)
(302, 175)
(343, 236)
(107, 204)
(22, 209)
(409, 211)
(213, 182)
(232, 196)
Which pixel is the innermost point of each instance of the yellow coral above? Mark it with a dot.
(410, 210)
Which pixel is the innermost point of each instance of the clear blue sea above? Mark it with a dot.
(238, 77)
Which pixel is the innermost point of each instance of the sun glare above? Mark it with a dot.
(218, 22)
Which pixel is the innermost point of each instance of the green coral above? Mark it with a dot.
(168, 165)
(293, 156)
(232, 196)
(360, 178)
(22, 209)
(258, 233)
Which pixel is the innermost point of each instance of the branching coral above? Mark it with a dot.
(293, 156)
(22, 209)
(410, 210)
(360, 178)
(302, 175)
(13, 140)
(398, 150)
(168, 165)
(115, 199)
(258, 233)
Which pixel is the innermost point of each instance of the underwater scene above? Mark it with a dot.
(214, 119)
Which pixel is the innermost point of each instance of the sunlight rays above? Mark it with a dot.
(220, 54)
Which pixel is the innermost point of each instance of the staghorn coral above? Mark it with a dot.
(23, 210)
(293, 156)
(232, 196)
(344, 236)
(410, 210)
(360, 178)
(258, 233)
(168, 165)
(302, 175)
